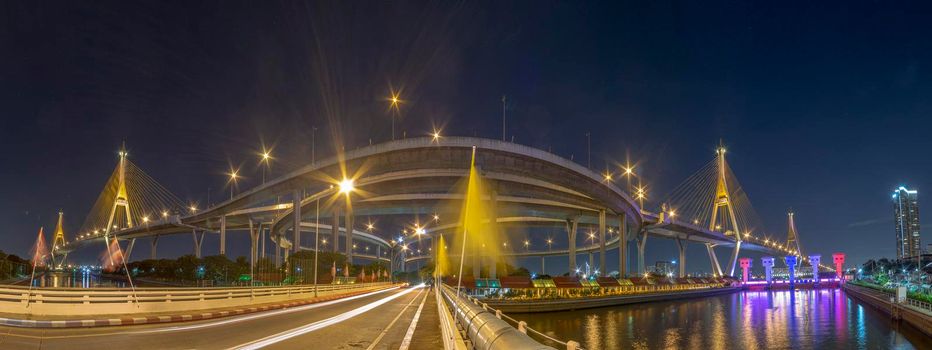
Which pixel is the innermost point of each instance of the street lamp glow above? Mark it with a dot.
(346, 186)
(419, 230)
(164, 214)
(370, 227)
(435, 135)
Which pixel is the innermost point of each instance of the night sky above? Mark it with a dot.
(825, 107)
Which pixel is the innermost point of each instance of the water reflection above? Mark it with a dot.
(77, 278)
(802, 319)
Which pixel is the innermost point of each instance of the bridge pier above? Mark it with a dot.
(129, 249)
(602, 243)
(623, 245)
(296, 210)
(253, 247)
(198, 242)
(223, 235)
(571, 226)
(716, 268)
(642, 243)
(734, 255)
(543, 266)
(681, 244)
(262, 240)
(591, 262)
(155, 243)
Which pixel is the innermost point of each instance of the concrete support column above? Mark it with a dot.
(155, 243)
(681, 244)
(591, 263)
(262, 239)
(623, 245)
(496, 232)
(223, 235)
(335, 229)
(349, 233)
(790, 261)
(571, 226)
(713, 260)
(745, 269)
(129, 249)
(543, 265)
(602, 243)
(642, 243)
(278, 254)
(767, 262)
(198, 242)
(296, 209)
(839, 259)
(253, 246)
(814, 260)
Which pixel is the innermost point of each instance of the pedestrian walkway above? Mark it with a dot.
(427, 335)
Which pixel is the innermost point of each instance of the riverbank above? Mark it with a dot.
(914, 316)
(569, 304)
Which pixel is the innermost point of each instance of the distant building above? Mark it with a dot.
(663, 267)
(906, 221)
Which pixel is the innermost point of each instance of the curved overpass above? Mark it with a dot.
(419, 177)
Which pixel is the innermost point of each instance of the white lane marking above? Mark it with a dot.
(390, 324)
(272, 339)
(407, 340)
(214, 323)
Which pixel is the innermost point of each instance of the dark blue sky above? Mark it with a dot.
(825, 107)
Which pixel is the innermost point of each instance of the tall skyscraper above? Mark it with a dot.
(906, 220)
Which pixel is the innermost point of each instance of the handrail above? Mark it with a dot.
(479, 319)
(92, 296)
(921, 305)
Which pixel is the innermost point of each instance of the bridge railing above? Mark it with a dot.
(488, 328)
(917, 304)
(69, 302)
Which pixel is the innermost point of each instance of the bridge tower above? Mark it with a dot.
(122, 200)
(792, 236)
(58, 241)
(723, 214)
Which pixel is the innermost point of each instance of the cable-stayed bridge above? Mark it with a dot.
(419, 177)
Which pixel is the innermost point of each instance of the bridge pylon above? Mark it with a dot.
(121, 201)
(58, 241)
(723, 214)
(792, 236)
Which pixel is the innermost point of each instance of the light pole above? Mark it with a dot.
(266, 158)
(394, 107)
(391, 260)
(316, 242)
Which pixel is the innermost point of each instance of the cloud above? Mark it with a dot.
(869, 222)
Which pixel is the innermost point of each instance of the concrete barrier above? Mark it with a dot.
(484, 329)
(72, 302)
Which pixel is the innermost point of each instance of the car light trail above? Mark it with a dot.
(257, 344)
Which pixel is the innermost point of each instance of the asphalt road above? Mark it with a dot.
(379, 320)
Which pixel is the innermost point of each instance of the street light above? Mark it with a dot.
(233, 176)
(267, 159)
(394, 107)
(346, 186)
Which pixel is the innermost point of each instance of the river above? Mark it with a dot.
(801, 319)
